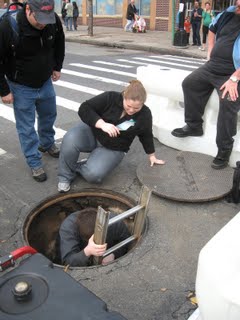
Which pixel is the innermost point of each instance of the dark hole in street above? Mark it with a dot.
(42, 224)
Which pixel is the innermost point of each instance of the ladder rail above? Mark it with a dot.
(103, 222)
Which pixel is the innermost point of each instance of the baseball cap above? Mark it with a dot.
(43, 10)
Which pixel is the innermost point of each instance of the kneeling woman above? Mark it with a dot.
(109, 123)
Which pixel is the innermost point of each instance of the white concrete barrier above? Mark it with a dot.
(218, 275)
(165, 100)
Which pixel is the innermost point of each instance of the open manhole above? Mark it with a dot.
(41, 227)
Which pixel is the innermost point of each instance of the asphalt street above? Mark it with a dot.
(153, 281)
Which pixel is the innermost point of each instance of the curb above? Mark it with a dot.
(171, 50)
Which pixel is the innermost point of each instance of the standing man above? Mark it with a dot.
(220, 72)
(131, 12)
(28, 65)
(196, 19)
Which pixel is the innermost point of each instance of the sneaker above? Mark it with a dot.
(53, 151)
(39, 175)
(63, 186)
(203, 49)
(186, 131)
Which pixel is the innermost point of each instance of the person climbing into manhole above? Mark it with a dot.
(76, 244)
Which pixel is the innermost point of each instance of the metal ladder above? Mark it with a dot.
(103, 222)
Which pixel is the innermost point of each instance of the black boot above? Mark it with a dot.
(186, 131)
(221, 159)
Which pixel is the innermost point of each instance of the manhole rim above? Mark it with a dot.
(44, 203)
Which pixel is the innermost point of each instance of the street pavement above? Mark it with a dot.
(153, 281)
(152, 41)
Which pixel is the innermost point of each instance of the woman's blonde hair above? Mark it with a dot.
(135, 91)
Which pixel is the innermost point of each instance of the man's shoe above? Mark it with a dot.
(54, 151)
(63, 186)
(39, 175)
(186, 131)
(221, 160)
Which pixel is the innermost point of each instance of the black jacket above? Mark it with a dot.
(131, 10)
(36, 55)
(72, 245)
(109, 107)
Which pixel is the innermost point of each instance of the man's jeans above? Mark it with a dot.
(196, 25)
(197, 89)
(100, 162)
(129, 25)
(27, 101)
(69, 23)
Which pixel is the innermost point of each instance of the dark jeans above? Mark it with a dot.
(197, 89)
(205, 33)
(196, 32)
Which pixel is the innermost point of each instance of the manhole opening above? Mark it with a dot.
(41, 227)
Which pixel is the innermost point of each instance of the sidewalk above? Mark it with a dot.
(152, 41)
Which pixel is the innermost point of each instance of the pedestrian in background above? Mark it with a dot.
(207, 16)
(63, 12)
(26, 77)
(69, 15)
(75, 15)
(131, 16)
(196, 20)
(187, 28)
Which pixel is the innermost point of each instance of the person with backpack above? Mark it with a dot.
(69, 15)
(31, 57)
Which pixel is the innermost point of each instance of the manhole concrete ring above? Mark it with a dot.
(41, 225)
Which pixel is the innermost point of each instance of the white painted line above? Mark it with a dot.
(188, 58)
(112, 64)
(68, 104)
(196, 61)
(167, 63)
(77, 87)
(134, 62)
(122, 73)
(94, 77)
(7, 113)
(2, 151)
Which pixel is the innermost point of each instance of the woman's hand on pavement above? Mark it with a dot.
(153, 160)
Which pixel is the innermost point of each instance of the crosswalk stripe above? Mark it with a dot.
(93, 77)
(8, 114)
(112, 64)
(77, 87)
(200, 62)
(2, 152)
(68, 104)
(134, 62)
(122, 73)
(166, 62)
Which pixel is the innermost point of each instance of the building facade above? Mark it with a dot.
(159, 14)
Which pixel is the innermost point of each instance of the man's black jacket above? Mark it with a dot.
(36, 55)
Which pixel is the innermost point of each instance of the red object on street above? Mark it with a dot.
(8, 261)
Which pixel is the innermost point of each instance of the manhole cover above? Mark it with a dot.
(186, 176)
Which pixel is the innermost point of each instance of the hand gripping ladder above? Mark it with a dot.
(103, 222)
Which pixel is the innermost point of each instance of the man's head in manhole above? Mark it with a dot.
(77, 246)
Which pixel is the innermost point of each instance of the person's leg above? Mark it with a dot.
(47, 112)
(226, 128)
(24, 111)
(76, 140)
(100, 163)
(194, 33)
(127, 26)
(71, 23)
(67, 23)
(197, 88)
(198, 38)
(205, 32)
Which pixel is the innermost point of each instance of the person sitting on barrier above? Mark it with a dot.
(77, 246)
(222, 72)
(109, 123)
